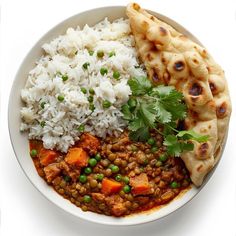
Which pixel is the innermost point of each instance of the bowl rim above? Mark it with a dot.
(82, 215)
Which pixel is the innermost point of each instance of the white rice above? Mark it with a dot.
(66, 55)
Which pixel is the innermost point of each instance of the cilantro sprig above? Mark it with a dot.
(158, 108)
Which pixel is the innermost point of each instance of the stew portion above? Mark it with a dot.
(115, 176)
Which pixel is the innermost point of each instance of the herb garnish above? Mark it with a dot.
(158, 108)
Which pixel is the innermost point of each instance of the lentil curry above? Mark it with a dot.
(114, 176)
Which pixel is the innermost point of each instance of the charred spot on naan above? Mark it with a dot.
(163, 31)
(152, 18)
(203, 150)
(198, 96)
(195, 89)
(144, 25)
(196, 93)
(199, 168)
(179, 66)
(159, 35)
(163, 60)
(157, 78)
(221, 111)
(136, 7)
(213, 88)
(216, 84)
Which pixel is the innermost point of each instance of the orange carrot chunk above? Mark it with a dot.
(110, 186)
(89, 142)
(140, 185)
(47, 156)
(77, 157)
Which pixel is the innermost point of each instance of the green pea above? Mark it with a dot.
(98, 157)
(67, 178)
(86, 65)
(151, 141)
(126, 189)
(125, 179)
(174, 184)
(92, 162)
(106, 104)
(91, 52)
(82, 179)
(118, 178)
(154, 149)
(33, 153)
(100, 177)
(87, 170)
(92, 107)
(60, 98)
(103, 71)
(64, 77)
(42, 105)
(83, 90)
(81, 128)
(87, 199)
(90, 98)
(115, 169)
(163, 158)
(116, 74)
(111, 54)
(132, 102)
(100, 54)
(91, 91)
(43, 123)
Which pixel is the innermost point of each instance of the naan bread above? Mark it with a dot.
(172, 59)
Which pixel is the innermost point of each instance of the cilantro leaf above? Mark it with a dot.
(191, 134)
(173, 103)
(170, 140)
(141, 134)
(162, 90)
(148, 114)
(139, 85)
(127, 115)
(136, 124)
(174, 95)
(187, 146)
(173, 146)
(164, 116)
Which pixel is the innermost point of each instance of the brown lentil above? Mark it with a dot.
(93, 183)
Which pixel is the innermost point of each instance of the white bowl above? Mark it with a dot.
(20, 141)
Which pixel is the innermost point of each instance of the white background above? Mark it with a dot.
(24, 212)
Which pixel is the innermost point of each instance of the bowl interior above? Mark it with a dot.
(20, 141)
